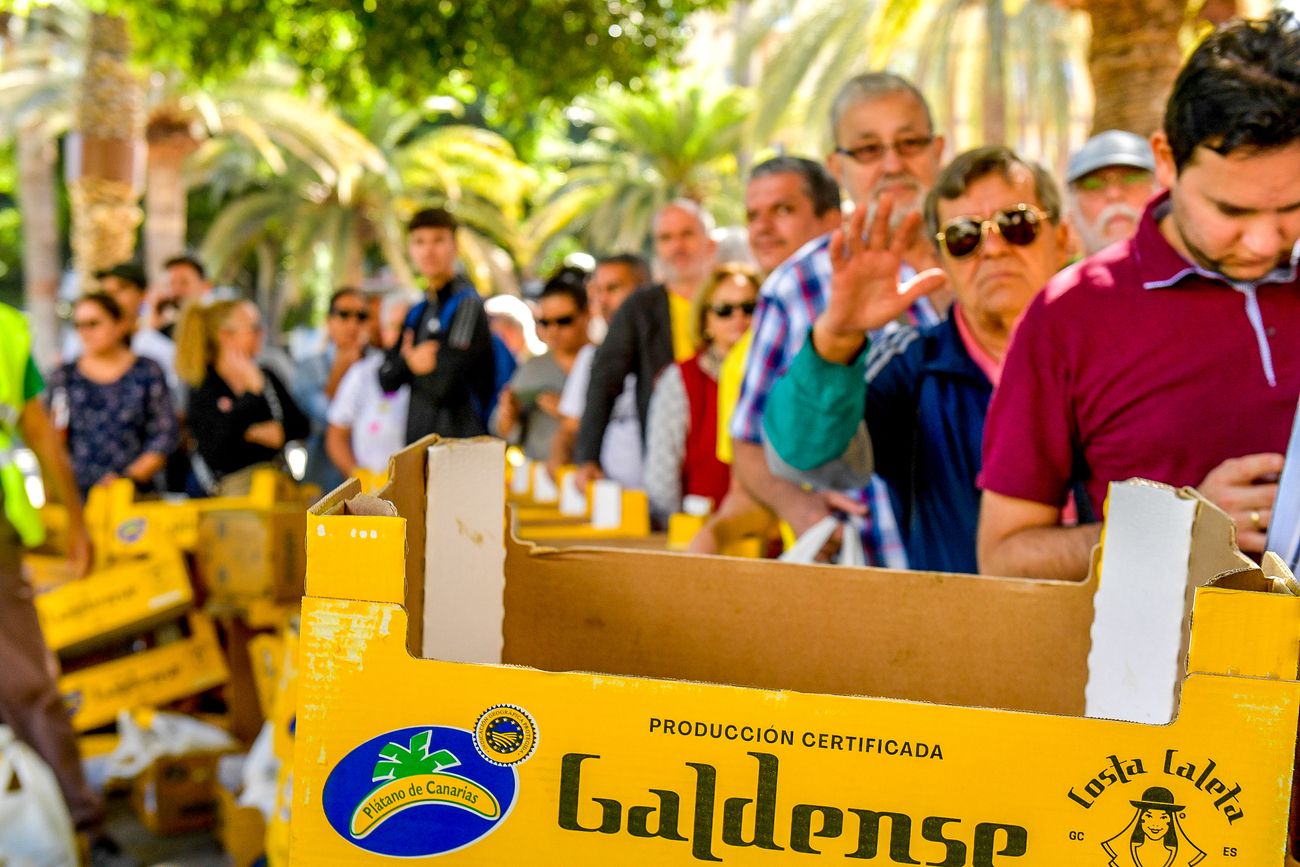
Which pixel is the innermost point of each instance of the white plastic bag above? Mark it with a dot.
(35, 828)
(809, 545)
(147, 735)
(261, 773)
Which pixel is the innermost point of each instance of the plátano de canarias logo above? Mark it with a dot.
(417, 792)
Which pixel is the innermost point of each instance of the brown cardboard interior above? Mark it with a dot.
(952, 639)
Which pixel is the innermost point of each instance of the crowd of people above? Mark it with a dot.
(956, 371)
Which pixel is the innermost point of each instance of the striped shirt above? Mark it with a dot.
(791, 299)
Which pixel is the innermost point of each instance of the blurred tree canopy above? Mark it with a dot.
(514, 53)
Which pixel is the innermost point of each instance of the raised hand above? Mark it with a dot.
(865, 293)
(241, 372)
(420, 359)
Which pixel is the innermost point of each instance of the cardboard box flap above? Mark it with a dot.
(1276, 569)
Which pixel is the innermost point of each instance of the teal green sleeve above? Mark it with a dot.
(815, 408)
(33, 383)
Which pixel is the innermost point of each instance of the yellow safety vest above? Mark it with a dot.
(15, 347)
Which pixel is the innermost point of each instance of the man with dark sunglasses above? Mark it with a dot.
(1170, 356)
(885, 145)
(995, 222)
(317, 377)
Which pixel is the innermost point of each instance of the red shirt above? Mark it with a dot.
(1135, 362)
(702, 473)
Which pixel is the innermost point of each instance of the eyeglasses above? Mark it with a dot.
(1018, 225)
(1099, 181)
(86, 324)
(558, 321)
(724, 311)
(875, 151)
(359, 315)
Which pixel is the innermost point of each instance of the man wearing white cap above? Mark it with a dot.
(1110, 180)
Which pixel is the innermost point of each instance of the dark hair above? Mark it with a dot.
(868, 87)
(639, 267)
(968, 167)
(186, 259)
(818, 184)
(568, 282)
(344, 292)
(105, 302)
(1239, 89)
(432, 218)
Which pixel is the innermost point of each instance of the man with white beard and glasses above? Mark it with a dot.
(1110, 180)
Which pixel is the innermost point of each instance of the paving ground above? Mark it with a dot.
(187, 850)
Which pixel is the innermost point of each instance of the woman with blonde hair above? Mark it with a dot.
(682, 424)
(240, 414)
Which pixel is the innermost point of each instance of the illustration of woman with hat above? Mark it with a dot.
(1153, 837)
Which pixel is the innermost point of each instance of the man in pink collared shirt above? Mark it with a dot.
(1169, 356)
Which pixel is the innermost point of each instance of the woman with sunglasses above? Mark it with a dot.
(112, 405)
(240, 415)
(682, 424)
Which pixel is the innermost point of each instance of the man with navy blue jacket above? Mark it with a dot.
(445, 353)
(919, 420)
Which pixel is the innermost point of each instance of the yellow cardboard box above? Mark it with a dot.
(246, 555)
(114, 601)
(971, 752)
(122, 526)
(150, 678)
(241, 831)
(46, 571)
(266, 655)
(177, 794)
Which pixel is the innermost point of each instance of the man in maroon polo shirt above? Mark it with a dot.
(1172, 356)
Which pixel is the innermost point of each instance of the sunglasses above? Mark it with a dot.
(724, 311)
(875, 151)
(359, 315)
(558, 321)
(1019, 225)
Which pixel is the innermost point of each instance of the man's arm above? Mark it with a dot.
(613, 362)
(468, 345)
(797, 507)
(41, 437)
(735, 518)
(393, 373)
(1021, 538)
(338, 446)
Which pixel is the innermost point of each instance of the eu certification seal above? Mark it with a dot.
(505, 735)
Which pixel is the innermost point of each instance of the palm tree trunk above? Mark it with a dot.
(110, 123)
(995, 85)
(1133, 59)
(38, 204)
(164, 195)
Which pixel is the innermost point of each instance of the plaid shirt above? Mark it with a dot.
(792, 297)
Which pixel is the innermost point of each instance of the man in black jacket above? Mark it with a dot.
(651, 330)
(445, 352)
